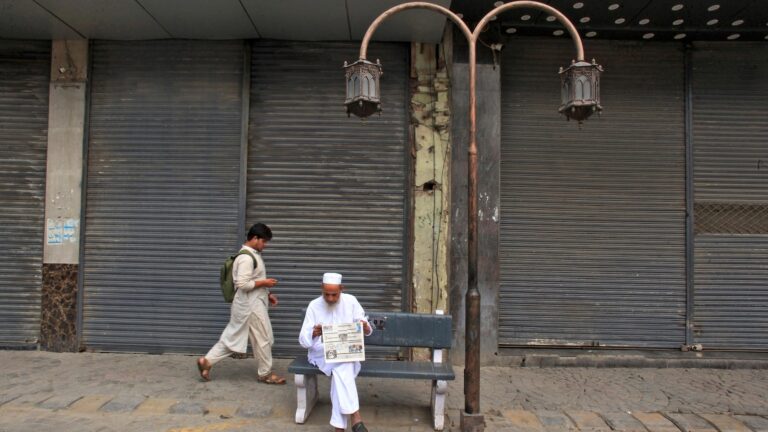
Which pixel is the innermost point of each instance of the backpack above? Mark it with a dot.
(225, 278)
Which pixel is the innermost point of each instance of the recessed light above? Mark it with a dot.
(680, 36)
(551, 18)
(525, 17)
(677, 7)
(585, 20)
(766, 37)
(613, 6)
(648, 36)
(713, 22)
(578, 5)
(511, 30)
(558, 32)
(593, 34)
(644, 21)
(620, 21)
(713, 8)
(738, 22)
(493, 18)
(460, 15)
(678, 21)
(498, 3)
(734, 36)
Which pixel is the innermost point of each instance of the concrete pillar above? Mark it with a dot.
(63, 192)
(430, 123)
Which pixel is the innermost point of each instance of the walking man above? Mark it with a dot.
(335, 307)
(249, 317)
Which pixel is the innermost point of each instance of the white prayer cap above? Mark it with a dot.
(332, 278)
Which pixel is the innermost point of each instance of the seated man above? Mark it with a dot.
(335, 307)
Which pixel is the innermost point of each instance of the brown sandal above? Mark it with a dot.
(271, 378)
(204, 367)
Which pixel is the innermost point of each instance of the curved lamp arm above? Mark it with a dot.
(535, 5)
(413, 5)
(471, 36)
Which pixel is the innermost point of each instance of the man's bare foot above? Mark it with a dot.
(204, 366)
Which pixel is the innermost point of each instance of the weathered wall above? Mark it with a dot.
(430, 120)
(431, 152)
(64, 187)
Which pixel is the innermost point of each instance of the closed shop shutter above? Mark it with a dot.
(162, 193)
(593, 217)
(730, 143)
(24, 81)
(332, 188)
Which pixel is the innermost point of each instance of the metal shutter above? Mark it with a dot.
(332, 188)
(730, 142)
(24, 81)
(592, 235)
(162, 194)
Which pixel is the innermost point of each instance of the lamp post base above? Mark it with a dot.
(472, 422)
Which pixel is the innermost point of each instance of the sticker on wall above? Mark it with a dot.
(62, 231)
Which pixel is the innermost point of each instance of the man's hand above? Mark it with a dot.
(317, 330)
(272, 299)
(267, 283)
(366, 327)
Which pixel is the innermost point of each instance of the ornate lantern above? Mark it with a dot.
(363, 96)
(580, 85)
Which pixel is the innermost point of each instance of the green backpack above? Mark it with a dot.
(225, 278)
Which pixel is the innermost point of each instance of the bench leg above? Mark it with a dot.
(306, 396)
(439, 390)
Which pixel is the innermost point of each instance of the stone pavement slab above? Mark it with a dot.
(555, 421)
(655, 422)
(588, 421)
(623, 422)
(726, 423)
(90, 403)
(525, 421)
(59, 401)
(690, 422)
(156, 406)
(123, 403)
(756, 423)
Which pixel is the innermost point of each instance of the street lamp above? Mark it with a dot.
(580, 85)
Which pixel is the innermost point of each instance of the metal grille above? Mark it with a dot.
(162, 193)
(592, 236)
(24, 80)
(726, 218)
(730, 132)
(332, 188)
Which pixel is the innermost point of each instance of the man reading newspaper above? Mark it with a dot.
(335, 307)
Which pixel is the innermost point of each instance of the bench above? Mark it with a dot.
(391, 329)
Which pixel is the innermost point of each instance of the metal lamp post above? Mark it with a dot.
(580, 85)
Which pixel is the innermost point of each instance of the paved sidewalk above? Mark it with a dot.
(128, 392)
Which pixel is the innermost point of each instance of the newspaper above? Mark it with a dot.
(343, 342)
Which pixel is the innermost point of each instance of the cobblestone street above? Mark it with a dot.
(119, 392)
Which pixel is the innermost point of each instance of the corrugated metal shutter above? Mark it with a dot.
(24, 81)
(332, 188)
(730, 142)
(163, 188)
(593, 217)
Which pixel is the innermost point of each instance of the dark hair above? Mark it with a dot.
(261, 231)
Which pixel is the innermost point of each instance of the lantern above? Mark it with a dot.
(363, 96)
(580, 85)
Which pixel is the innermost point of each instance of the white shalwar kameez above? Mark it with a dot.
(249, 316)
(343, 389)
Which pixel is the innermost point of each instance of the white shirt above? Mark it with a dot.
(346, 310)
